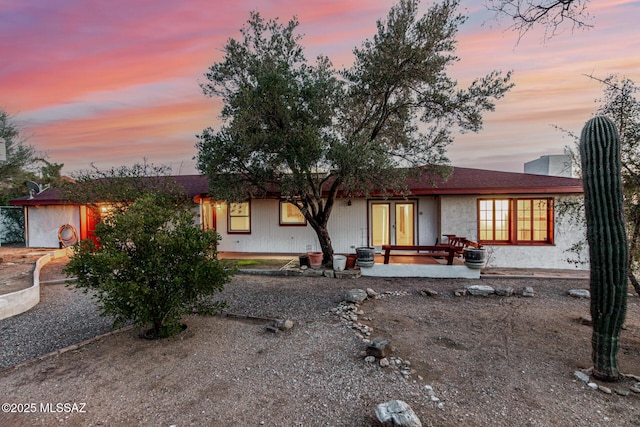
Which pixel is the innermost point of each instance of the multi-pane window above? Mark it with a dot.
(239, 218)
(291, 215)
(515, 221)
(494, 220)
(533, 220)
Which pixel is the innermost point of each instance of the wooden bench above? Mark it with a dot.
(438, 251)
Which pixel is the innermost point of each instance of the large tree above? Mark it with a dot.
(307, 133)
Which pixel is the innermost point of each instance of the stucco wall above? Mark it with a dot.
(459, 216)
(44, 221)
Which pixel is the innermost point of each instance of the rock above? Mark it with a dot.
(371, 293)
(579, 293)
(369, 359)
(272, 329)
(312, 273)
(622, 392)
(384, 362)
(355, 295)
(635, 388)
(397, 413)
(528, 292)
(283, 325)
(582, 376)
(586, 320)
(429, 293)
(460, 292)
(329, 273)
(379, 348)
(593, 385)
(507, 291)
(480, 290)
(605, 390)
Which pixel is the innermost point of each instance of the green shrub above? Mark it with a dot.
(152, 265)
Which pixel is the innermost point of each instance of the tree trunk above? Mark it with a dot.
(325, 243)
(634, 281)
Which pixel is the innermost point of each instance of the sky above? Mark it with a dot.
(115, 82)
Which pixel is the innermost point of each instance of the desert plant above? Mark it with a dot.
(608, 250)
(152, 265)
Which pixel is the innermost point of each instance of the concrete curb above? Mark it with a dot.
(20, 301)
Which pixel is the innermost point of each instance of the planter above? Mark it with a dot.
(365, 256)
(315, 259)
(351, 261)
(339, 262)
(475, 258)
(304, 261)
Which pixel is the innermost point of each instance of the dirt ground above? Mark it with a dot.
(491, 361)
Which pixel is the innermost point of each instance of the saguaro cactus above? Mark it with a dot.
(608, 251)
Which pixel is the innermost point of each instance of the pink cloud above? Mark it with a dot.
(117, 81)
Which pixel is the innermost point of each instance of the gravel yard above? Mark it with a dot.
(491, 361)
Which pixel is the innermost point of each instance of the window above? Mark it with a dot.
(515, 221)
(239, 218)
(533, 220)
(291, 215)
(494, 220)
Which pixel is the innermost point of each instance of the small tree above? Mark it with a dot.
(308, 134)
(21, 161)
(153, 265)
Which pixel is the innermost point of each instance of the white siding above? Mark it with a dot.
(347, 228)
(43, 223)
(459, 216)
(428, 221)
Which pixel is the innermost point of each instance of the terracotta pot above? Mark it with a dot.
(351, 261)
(315, 259)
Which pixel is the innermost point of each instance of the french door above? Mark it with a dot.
(392, 223)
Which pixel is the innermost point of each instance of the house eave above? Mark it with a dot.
(496, 190)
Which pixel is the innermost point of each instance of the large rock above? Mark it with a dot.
(481, 290)
(355, 296)
(397, 413)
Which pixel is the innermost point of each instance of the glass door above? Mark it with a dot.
(404, 224)
(392, 223)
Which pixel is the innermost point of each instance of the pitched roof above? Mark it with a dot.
(478, 181)
(192, 184)
(463, 181)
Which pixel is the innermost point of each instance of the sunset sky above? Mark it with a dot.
(113, 82)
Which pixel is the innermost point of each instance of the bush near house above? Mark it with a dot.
(152, 265)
